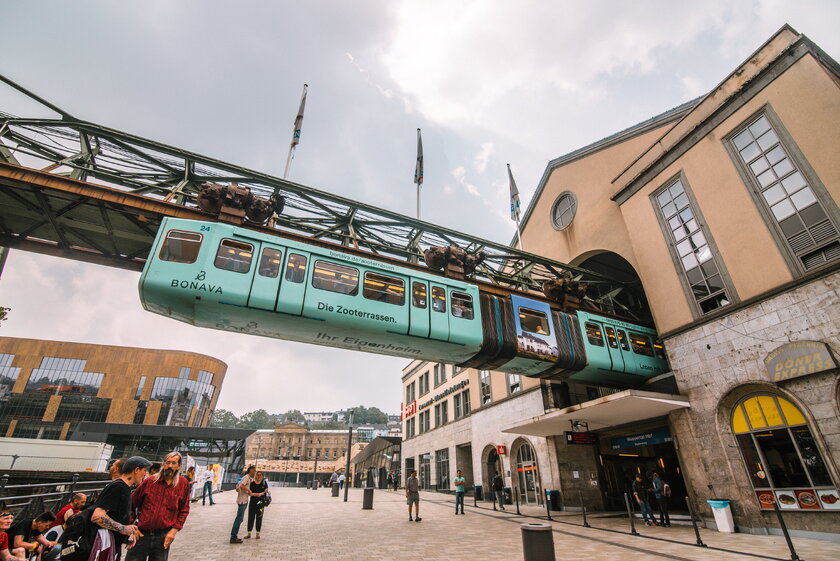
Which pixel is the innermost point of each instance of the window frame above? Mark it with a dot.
(336, 282)
(468, 310)
(484, 382)
(290, 274)
(793, 152)
(415, 301)
(441, 290)
(558, 225)
(728, 286)
(219, 249)
(392, 281)
(166, 238)
(534, 313)
(263, 257)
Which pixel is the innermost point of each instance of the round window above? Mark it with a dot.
(563, 211)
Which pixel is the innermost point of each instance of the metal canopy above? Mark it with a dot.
(119, 232)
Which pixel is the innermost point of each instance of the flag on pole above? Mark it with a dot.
(299, 118)
(418, 169)
(514, 198)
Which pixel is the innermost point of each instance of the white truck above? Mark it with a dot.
(53, 455)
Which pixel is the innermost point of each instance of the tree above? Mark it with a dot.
(258, 419)
(223, 418)
(328, 425)
(295, 416)
(363, 415)
(4, 312)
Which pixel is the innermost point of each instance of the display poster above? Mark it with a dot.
(765, 499)
(829, 498)
(807, 499)
(787, 500)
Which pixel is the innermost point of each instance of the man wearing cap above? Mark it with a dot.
(243, 495)
(6, 519)
(162, 503)
(113, 508)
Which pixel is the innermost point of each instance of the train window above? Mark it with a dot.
(438, 299)
(462, 306)
(659, 350)
(611, 339)
(622, 340)
(234, 256)
(335, 278)
(593, 333)
(533, 321)
(270, 263)
(418, 295)
(180, 246)
(641, 344)
(386, 289)
(296, 268)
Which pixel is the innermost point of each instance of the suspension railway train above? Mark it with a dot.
(226, 277)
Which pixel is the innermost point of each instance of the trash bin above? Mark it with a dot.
(367, 499)
(335, 487)
(508, 494)
(723, 515)
(537, 542)
(553, 500)
(479, 493)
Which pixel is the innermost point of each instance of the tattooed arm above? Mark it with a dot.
(100, 517)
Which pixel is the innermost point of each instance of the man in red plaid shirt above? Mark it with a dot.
(162, 503)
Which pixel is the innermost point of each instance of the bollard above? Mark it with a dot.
(547, 509)
(335, 487)
(583, 509)
(367, 499)
(516, 496)
(537, 542)
(475, 498)
(633, 531)
(793, 555)
(694, 523)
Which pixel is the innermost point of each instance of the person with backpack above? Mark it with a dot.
(499, 490)
(662, 492)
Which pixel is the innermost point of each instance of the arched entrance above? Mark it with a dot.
(527, 478)
(491, 464)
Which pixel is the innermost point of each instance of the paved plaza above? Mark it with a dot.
(302, 524)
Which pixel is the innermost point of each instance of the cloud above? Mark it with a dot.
(482, 158)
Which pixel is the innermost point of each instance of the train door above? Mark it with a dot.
(267, 279)
(293, 285)
(614, 348)
(439, 319)
(419, 310)
(233, 265)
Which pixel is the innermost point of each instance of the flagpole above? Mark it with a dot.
(296, 132)
(418, 170)
(519, 235)
(514, 206)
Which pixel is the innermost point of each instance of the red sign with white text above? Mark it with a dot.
(501, 450)
(409, 410)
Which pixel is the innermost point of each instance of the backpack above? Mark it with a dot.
(77, 539)
(266, 499)
(666, 490)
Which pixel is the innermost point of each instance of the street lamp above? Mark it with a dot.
(349, 445)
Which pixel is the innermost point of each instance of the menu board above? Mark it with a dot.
(787, 500)
(807, 499)
(765, 499)
(829, 498)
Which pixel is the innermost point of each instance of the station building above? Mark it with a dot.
(48, 387)
(725, 212)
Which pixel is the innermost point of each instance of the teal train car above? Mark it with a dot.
(226, 277)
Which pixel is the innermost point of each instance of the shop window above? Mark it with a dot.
(781, 456)
(442, 466)
(234, 256)
(180, 247)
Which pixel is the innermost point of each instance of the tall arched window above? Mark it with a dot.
(781, 456)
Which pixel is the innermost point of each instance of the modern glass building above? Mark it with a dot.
(48, 387)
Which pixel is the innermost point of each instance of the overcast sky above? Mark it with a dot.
(489, 82)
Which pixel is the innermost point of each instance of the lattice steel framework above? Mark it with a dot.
(81, 150)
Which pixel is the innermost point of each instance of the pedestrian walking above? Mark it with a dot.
(662, 493)
(499, 490)
(161, 504)
(640, 493)
(6, 519)
(207, 488)
(341, 481)
(243, 494)
(256, 505)
(412, 496)
(113, 511)
(459, 491)
(396, 480)
(190, 475)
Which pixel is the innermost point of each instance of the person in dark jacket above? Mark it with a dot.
(661, 499)
(640, 494)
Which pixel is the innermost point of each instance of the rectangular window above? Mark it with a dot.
(593, 334)
(382, 288)
(622, 340)
(462, 306)
(335, 278)
(234, 256)
(438, 418)
(689, 242)
(514, 383)
(438, 299)
(611, 338)
(140, 387)
(410, 427)
(425, 471)
(783, 190)
(457, 408)
(409, 393)
(465, 401)
(440, 374)
(418, 295)
(641, 344)
(181, 247)
(484, 387)
(424, 383)
(442, 468)
(533, 321)
(425, 421)
(296, 268)
(270, 263)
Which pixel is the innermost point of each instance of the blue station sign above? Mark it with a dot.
(643, 439)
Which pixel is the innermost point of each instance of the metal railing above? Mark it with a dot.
(31, 499)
